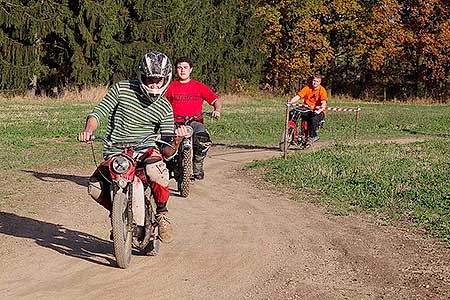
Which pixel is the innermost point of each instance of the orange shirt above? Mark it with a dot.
(313, 98)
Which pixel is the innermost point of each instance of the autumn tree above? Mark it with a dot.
(296, 44)
(379, 50)
(427, 54)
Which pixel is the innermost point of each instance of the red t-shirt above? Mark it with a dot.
(187, 98)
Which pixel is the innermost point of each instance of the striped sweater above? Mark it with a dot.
(131, 116)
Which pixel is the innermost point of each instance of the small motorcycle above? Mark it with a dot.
(180, 167)
(293, 136)
(133, 215)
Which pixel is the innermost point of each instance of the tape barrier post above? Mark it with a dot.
(285, 145)
(356, 122)
(357, 112)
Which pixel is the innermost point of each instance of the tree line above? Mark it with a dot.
(388, 49)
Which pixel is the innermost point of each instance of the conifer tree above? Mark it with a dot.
(24, 27)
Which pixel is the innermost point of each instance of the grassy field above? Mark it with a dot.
(407, 182)
(397, 181)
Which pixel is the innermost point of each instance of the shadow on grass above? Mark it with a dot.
(50, 177)
(58, 238)
(444, 135)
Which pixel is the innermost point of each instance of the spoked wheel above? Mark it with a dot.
(290, 139)
(150, 242)
(122, 237)
(305, 144)
(304, 140)
(185, 176)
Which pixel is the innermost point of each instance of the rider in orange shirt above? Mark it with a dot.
(315, 97)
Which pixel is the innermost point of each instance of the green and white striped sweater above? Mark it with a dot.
(131, 116)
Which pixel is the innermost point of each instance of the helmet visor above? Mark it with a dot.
(151, 80)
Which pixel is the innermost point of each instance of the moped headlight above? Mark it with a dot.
(120, 164)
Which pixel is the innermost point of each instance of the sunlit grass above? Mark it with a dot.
(403, 181)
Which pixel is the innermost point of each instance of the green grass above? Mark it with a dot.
(40, 133)
(402, 181)
(406, 182)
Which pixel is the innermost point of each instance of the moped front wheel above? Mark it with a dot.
(122, 237)
(185, 178)
(290, 139)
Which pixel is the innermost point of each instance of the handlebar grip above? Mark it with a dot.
(168, 135)
(91, 138)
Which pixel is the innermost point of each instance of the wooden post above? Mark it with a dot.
(356, 122)
(286, 120)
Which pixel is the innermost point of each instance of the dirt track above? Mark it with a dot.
(233, 241)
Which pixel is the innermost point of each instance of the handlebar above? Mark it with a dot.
(187, 119)
(302, 107)
(99, 137)
(131, 144)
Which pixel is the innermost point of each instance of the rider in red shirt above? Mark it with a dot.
(186, 96)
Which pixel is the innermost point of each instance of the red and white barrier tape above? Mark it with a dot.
(329, 108)
(343, 109)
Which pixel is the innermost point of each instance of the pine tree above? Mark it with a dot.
(23, 29)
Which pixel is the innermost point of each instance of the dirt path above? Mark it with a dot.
(233, 241)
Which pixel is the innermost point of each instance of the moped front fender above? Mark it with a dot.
(138, 202)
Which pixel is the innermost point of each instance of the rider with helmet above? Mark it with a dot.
(134, 109)
(315, 97)
(186, 96)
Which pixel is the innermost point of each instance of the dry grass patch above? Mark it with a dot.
(89, 94)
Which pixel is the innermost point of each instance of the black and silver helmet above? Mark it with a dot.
(156, 65)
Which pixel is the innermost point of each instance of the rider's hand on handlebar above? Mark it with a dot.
(85, 136)
(215, 114)
(290, 102)
(181, 132)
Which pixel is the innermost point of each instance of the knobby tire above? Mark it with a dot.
(185, 182)
(121, 236)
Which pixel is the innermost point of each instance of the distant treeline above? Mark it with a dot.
(389, 49)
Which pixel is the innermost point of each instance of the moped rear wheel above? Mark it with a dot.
(304, 135)
(122, 237)
(185, 178)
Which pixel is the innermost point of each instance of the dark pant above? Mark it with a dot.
(201, 143)
(315, 120)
